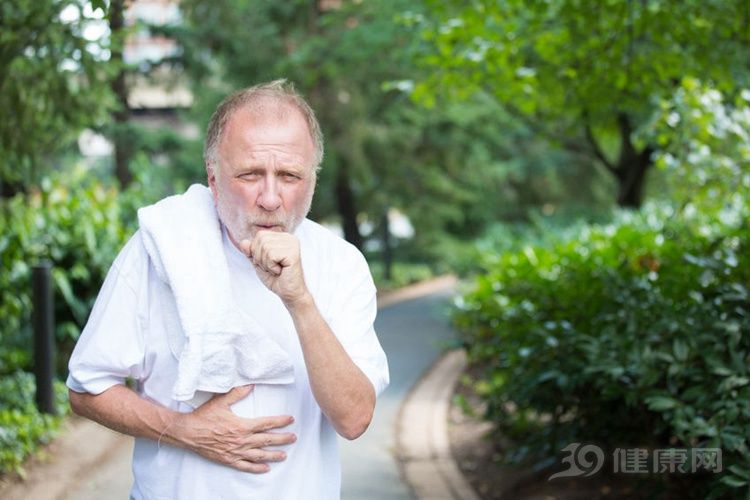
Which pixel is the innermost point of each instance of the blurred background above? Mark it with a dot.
(583, 166)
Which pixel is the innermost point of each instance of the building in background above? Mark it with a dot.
(153, 87)
(156, 93)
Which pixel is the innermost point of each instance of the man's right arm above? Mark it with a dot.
(212, 431)
(112, 348)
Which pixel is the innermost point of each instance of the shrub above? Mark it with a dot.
(79, 227)
(22, 427)
(632, 333)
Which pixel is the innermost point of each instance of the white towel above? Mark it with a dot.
(217, 348)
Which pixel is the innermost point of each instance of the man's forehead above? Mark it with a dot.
(262, 154)
(257, 132)
(268, 111)
(248, 120)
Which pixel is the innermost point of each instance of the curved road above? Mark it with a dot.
(413, 333)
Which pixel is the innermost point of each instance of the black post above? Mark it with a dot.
(43, 337)
(385, 227)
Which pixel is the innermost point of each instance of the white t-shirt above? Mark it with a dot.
(126, 337)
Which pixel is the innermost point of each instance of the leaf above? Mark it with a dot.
(99, 4)
(680, 350)
(661, 403)
(733, 481)
(740, 471)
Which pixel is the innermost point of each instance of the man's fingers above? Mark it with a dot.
(236, 394)
(256, 459)
(269, 252)
(245, 246)
(274, 268)
(246, 466)
(263, 424)
(264, 456)
(262, 440)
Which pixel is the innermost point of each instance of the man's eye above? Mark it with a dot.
(290, 176)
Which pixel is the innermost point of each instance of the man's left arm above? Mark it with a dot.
(343, 392)
(341, 389)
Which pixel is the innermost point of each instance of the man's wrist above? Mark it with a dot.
(175, 431)
(300, 303)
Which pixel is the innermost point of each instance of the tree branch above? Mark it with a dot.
(595, 145)
(535, 125)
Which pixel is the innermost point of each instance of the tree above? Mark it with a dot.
(121, 133)
(338, 53)
(452, 169)
(52, 84)
(586, 75)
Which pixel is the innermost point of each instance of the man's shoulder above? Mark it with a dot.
(132, 261)
(337, 264)
(330, 249)
(324, 240)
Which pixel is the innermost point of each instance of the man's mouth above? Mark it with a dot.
(270, 227)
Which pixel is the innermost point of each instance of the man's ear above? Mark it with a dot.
(211, 177)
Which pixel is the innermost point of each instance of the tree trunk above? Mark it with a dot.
(121, 138)
(631, 168)
(343, 192)
(346, 207)
(631, 179)
(8, 189)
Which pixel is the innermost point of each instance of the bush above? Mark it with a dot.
(79, 227)
(22, 427)
(632, 333)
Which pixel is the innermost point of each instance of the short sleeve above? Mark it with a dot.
(111, 346)
(352, 321)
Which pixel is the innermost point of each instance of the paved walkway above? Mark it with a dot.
(413, 333)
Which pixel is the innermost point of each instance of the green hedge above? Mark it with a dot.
(79, 226)
(22, 427)
(635, 333)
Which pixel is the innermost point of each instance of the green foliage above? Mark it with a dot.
(587, 76)
(53, 84)
(562, 57)
(22, 427)
(77, 226)
(540, 228)
(452, 169)
(704, 136)
(631, 332)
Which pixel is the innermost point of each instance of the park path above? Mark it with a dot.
(413, 332)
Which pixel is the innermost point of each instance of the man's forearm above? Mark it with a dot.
(122, 410)
(341, 389)
(212, 431)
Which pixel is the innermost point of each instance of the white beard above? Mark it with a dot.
(242, 225)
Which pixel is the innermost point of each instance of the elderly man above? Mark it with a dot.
(308, 291)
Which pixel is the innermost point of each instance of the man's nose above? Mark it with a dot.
(270, 197)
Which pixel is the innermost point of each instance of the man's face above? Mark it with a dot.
(264, 178)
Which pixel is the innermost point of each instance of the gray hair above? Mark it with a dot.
(277, 91)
